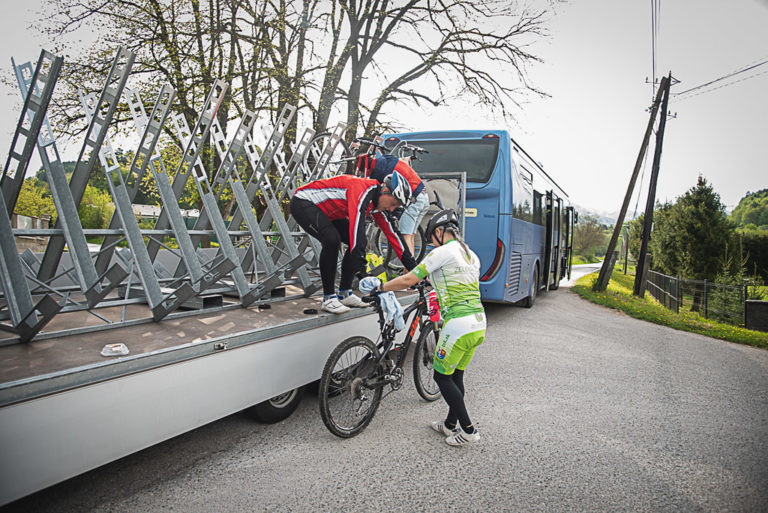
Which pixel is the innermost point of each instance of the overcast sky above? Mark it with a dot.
(588, 133)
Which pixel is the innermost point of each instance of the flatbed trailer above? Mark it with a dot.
(66, 409)
(209, 331)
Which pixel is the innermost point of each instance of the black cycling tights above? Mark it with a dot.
(330, 234)
(452, 388)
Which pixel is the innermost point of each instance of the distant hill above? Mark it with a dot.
(752, 211)
(606, 218)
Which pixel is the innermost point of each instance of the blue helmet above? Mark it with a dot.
(399, 187)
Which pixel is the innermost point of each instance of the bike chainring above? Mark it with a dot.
(396, 378)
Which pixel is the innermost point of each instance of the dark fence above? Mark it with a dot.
(709, 299)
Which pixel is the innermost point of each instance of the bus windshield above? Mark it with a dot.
(475, 156)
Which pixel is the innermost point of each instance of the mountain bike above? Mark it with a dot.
(358, 370)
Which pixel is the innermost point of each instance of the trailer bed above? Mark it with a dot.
(65, 409)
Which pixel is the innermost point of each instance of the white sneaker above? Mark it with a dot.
(462, 438)
(353, 301)
(333, 305)
(439, 426)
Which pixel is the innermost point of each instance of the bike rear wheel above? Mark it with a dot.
(314, 157)
(347, 405)
(423, 370)
(390, 258)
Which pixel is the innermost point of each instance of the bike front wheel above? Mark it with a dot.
(347, 404)
(423, 358)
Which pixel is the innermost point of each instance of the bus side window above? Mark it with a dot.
(522, 187)
(537, 217)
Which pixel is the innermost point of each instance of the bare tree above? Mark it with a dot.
(187, 43)
(354, 56)
(466, 53)
(455, 41)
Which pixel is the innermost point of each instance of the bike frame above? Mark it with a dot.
(420, 307)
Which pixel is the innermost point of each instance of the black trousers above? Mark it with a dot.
(452, 388)
(330, 234)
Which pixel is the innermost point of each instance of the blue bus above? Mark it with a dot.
(517, 219)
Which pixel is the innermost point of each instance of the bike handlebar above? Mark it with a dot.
(370, 142)
(373, 297)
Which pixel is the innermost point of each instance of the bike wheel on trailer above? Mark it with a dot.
(390, 258)
(313, 157)
(423, 358)
(347, 405)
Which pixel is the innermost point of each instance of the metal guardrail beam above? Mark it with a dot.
(27, 318)
(94, 137)
(40, 86)
(209, 198)
(190, 159)
(149, 130)
(260, 181)
(271, 266)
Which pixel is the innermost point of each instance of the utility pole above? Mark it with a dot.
(607, 268)
(626, 247)
(642, 265)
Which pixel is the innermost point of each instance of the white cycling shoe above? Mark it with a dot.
(461, 438)
(439, 426)
(353, 301)
(333, 305)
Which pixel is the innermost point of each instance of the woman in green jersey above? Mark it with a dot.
(453, 269)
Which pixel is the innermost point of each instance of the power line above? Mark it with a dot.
(654, 33)
(677, 100)
(724, 77)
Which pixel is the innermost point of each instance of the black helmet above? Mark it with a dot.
(442, 219)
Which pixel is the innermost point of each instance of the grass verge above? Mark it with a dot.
(619, 296)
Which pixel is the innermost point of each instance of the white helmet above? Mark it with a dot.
(399, 187)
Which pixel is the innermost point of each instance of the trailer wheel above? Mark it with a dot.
(528, 302)
(278, 408)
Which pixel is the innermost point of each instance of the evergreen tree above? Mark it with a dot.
(665, 247)
(692, 235)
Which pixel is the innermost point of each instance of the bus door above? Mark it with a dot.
(568, 238)
(549, 240)
(557, 266)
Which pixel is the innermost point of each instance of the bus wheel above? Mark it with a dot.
(278, 408)
(528, 302)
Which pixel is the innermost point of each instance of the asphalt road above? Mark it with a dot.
(580, 408)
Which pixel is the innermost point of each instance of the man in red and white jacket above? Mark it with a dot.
(379, 168)
(333, 210)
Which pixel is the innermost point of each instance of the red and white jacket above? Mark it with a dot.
(353, 198)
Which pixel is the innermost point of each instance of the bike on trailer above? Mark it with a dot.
(358, 370)
(341, 157)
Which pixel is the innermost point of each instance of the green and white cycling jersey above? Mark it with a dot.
(455, 277)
